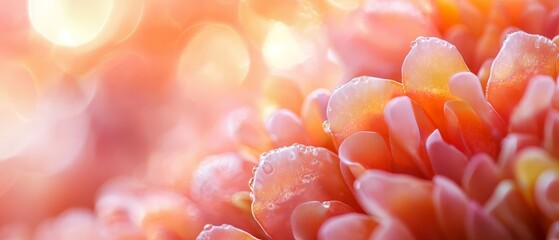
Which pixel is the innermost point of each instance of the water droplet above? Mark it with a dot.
(413, 43)
(208, 227)
(263, 156)
(326, 127)
(251, 183)
(254, 169)
(540, 41)
(270, 205)
(226, 226)
(309, 178)
(292, 156)
(326, 204)
(267, 167)
(314, 152)
(314, 161)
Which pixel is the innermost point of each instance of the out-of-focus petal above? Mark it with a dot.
(508, 205)
(481, 225)
(530, 164)
(426, 72)
(289, 176)
(72, 224)
(359, 106)
(387, 195)
(445, 158)
(216, 182)
(307, 218)
(521, 57)
(248, 129)
(553, 232)
(480, 178)
(511, 145)
(224, 231)
(286, 128)
(451, 205)
(551, 133)
(546, 194)
(528, 116)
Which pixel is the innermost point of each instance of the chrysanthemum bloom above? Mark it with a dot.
(434, 157)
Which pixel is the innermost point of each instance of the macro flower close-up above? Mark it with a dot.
(279, 119)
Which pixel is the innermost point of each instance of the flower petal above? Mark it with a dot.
(289, 176)
(528, 116)
(348, 226)
(307, 218)
(224, 231)
(388, 195)
(508, 205)
(313, 114)
(451, 205)
(359, 106)
(521, 57)
(530, 164)
(362, 151)
(546, 194)
(426, 72)
(446, 159)
(480, 178)
(286, 128)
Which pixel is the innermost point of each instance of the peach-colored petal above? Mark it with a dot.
(361, 151)
(508, 205)
(481, 225)
(307, 218)
(521, 57)
(385, 195)
(551, 133)
(483, 73)
(511, 146)
(286, 128)
(392, 228)
(528, 116)
(480, 178)
(468, 132)
(533, 17)
(409, 128)
(215, 186)
(359, 106)
(553, 232)
(451, 205)
(530, 164)
(249, 130)
(224, 231)
(464, 40)
(546, 194)
(289, 176)
(426, 72)
(313, 114)
(446, 159)
(467, 86)
(348, 226)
